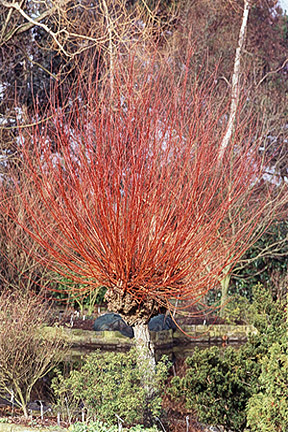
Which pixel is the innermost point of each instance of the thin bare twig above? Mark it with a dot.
(272, 72)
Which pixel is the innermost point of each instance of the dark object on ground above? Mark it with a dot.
(161, 322)
(113, 322)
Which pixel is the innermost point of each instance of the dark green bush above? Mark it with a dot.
(268, 409)
(218, 382)
(111, 384)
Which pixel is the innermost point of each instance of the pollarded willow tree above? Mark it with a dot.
(128, 191)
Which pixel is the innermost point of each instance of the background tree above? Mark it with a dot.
(262, 77)
(265, 262)
(215, 28)
(44, 42)
(21, 270)
(263, 244)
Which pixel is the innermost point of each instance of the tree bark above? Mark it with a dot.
(110, 44)
(235, 88)
(146, 358)
(129, 308)
(145, 347)
(224, 293)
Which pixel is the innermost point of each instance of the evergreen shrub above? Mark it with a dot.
(268, 409)
(219, 383)
(110, 385)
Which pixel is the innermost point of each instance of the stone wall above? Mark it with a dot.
(191, 335)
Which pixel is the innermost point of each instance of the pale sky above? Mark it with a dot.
(284, 5)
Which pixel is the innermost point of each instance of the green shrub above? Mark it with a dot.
(78, 295)
(237, 310)
(111, 384)
(98, 426)
(268, 316)
(268, 409)
(219, 383)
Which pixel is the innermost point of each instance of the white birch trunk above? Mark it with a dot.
(235, 88)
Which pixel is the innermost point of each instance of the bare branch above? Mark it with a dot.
(24, 27)
(272, 72)
(37, 23)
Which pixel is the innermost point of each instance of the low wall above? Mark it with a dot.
(163, 340)
(216, 333)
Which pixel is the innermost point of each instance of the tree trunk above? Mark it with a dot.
(137, 315)
(145, 346)
(235, 87)
(21, 400)
(146, 358)
(224, 293)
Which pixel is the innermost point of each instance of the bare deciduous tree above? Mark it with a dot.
(126, 190)
(26, 355)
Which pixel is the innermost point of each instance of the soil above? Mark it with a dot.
(35, 421)
(78, 323)
(176, 423)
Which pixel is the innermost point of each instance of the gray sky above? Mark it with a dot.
(284, 5)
